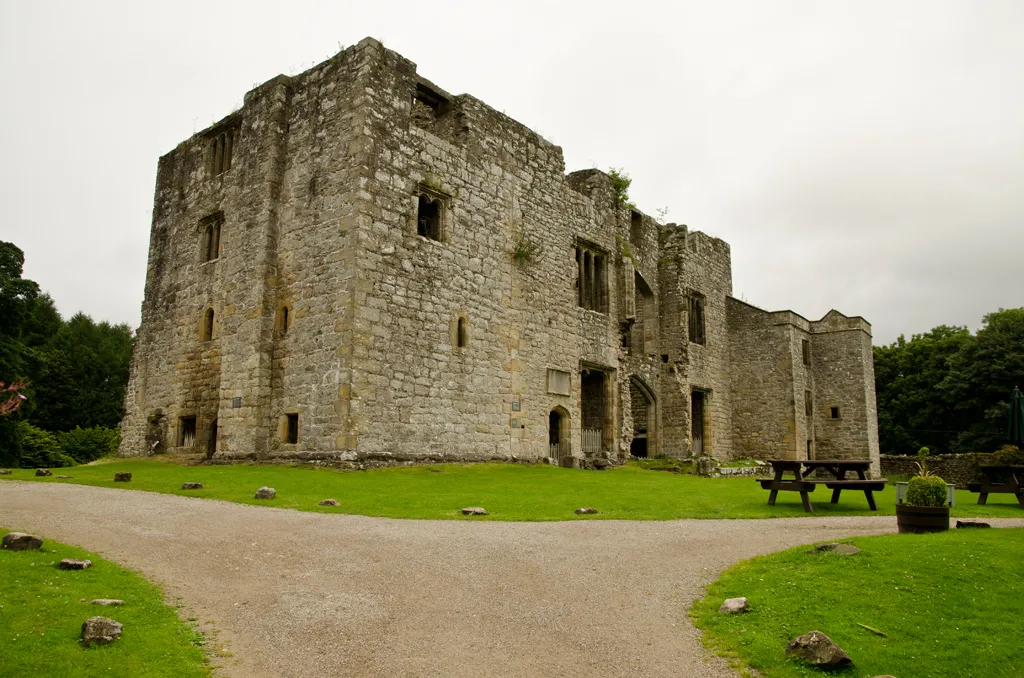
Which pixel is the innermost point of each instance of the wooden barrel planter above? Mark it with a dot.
(917, 519)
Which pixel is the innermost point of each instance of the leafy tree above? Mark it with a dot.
(87, 444)
(981, 378)
(83, 373)
(17, 296)
(40, 449)
(912, 413)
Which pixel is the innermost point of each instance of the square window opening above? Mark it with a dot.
(187, 432)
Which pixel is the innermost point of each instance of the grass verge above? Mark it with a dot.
(948, 602)
(42, 610)
(507, 491)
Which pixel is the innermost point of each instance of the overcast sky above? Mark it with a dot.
(863, 156)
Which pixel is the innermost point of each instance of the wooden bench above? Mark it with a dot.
(801, 486)
(866, 485)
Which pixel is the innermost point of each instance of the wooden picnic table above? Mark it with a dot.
(802, 482)
(999, 478)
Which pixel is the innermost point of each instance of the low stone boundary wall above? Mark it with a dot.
(958, 469)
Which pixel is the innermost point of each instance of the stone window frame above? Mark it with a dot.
(285, 427)
(444, 200)
(835, 413)
(808, 404)
(222, 141)
(211, 228)
(207, 330)
(592, 277)
(284, 320)
(697, 305)
(805, 348)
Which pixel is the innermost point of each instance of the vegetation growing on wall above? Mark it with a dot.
(620, 184)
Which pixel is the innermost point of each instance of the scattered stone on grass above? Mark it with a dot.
(43, 472)
(960, 524)
(100, 631)
(19, 541)
(329, 502)
(107, 601)
(818, 649)
(600, 464)
(586, 511)
(65, 477)
(266, 493)
(474, 511)
(5, 472)
(734, 606)
(72, 564)
(191, 486)
(122, 476)
(841, 549)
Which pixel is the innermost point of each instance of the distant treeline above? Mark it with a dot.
(74, 374)
(949, 390)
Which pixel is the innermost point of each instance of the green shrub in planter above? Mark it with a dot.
(926, 491)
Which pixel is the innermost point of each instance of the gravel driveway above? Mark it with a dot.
(309, 594)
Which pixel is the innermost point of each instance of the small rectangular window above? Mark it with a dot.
(807, 352)
(187, 432)
(835, 412)
(808, 404)
(810, 450)
(292, 429)
(697, 334)
(558, 382)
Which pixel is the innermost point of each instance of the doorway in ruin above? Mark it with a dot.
(697, 410)
(211, 443)
(559, 434)
(594, 407)
(644, 419)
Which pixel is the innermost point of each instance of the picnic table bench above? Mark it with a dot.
(999, 478)
(804, 484)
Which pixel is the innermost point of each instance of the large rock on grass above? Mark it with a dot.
(734, 606)
(329, 502)
(43, 472)
(191, 486)
(72, 564)
(5, 471)
(108, 601)
(100, 631)
(122, 477)
(818, 649)
(474, 511)
(266, 493)
(19, 541)
(586, 511)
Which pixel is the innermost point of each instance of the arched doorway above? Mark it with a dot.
(559, 432)
(645, 417)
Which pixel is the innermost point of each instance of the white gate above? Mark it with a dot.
(592, 438)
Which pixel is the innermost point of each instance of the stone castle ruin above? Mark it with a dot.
(358, 266)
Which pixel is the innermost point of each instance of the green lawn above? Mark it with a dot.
(950, 604)
(507, 491)
(42, 610)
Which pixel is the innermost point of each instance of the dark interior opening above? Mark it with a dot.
(428, 218)
(187, 436)
(697, 422)
(292, 434)
(211, 444)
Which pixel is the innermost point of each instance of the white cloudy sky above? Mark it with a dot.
(867, 156)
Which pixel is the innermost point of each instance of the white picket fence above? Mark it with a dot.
(592, 438)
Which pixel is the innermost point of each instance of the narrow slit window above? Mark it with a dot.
(284, 320)
(187, 435)
(462, 334)
(207, 333)
(697, 335)
(808, 404)
(834, 412)
(292, 429)
(211, 227)
(807, 352)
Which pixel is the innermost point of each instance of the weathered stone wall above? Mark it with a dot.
(764, 411)
(843, 368)
(407, 340)
(958, 469)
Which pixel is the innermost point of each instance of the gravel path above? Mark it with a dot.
(309, 594)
